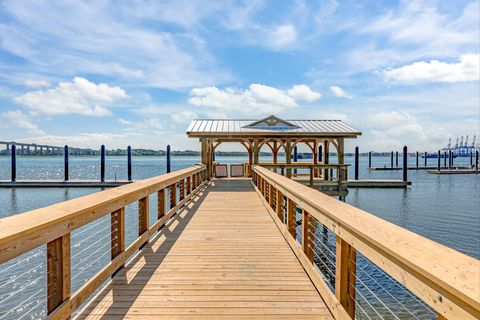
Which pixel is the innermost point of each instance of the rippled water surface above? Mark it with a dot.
(444, 208)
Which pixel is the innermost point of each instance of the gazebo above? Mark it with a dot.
(277, 134)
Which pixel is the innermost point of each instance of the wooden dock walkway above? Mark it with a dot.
(221, 257)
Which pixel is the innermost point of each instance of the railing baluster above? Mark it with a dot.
(142, 216)
(189, 185)
(117, 219)
(292, 218)
(279, 207)
(181, 187)
(345, 276)
(160, 203)
(173, 195)
(58, 272)
(307, 229)
(271, 191)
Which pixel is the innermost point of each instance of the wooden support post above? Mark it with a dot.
(173, 195)
(405, 163)
(14, 163)
(471, 158)
(439, 161)
(445, 159)
(307, 230)
(326, 158)
(160, 203)
(169, 168)
(58, 272)
(189, 185)
(370, 159)
(292, 218)
(345, 274)
(450, 159)
(117, 219)
(271, 191)
(279, 206)
(391, 160)
(311, 176)
(181, 187)
(356, 163)
(426, 158)
(143, 215)
(129, 163)
(396, 159)
(417, 159)
(102, 163)
(65, 163)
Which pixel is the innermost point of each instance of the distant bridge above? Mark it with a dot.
(33, 149)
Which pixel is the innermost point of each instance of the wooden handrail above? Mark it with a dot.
(52, 226)
(445, 279)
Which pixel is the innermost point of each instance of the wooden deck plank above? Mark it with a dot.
(221, 258)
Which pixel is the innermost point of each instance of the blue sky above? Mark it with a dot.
(137, 72)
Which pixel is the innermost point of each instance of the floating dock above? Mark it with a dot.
(376, 183)
(455, 171)
(62, 183)
(414, 168)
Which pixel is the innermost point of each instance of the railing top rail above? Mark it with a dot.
(23, 232)
(438, 266)
(303, 164)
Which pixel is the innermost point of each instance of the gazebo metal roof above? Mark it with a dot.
(270, 126)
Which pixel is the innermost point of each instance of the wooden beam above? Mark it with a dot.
(58, 272)
(345, 274)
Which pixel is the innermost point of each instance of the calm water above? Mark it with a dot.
(444, 208)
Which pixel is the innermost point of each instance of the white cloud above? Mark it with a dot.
(182, 117)
(303, 92)
(339, 92)
(37, 83)
(127, 42)
(257, 99)
(281, 36)
(77, 97)
(146, 125)
(467, 69)
(19, 119)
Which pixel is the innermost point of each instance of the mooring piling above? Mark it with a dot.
(391, 160)
(439, 161)
(476, 160)
(356, 163)
(426, 158)
(405, 163)
(445, 159)
(295, 157)
(417, 160)
(14, 163)
(370, 159)
(65, 162)
(471, 158)
(102, 163)
(451, 157)
(169, 169)
(450, 162)
(396, 159)
(320, 153)
(129, 163)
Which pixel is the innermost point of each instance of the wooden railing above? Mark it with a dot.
(329, 172)
(444, 279)
(53, 225)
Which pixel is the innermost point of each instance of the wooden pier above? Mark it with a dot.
(221, 257)
(236, 249)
